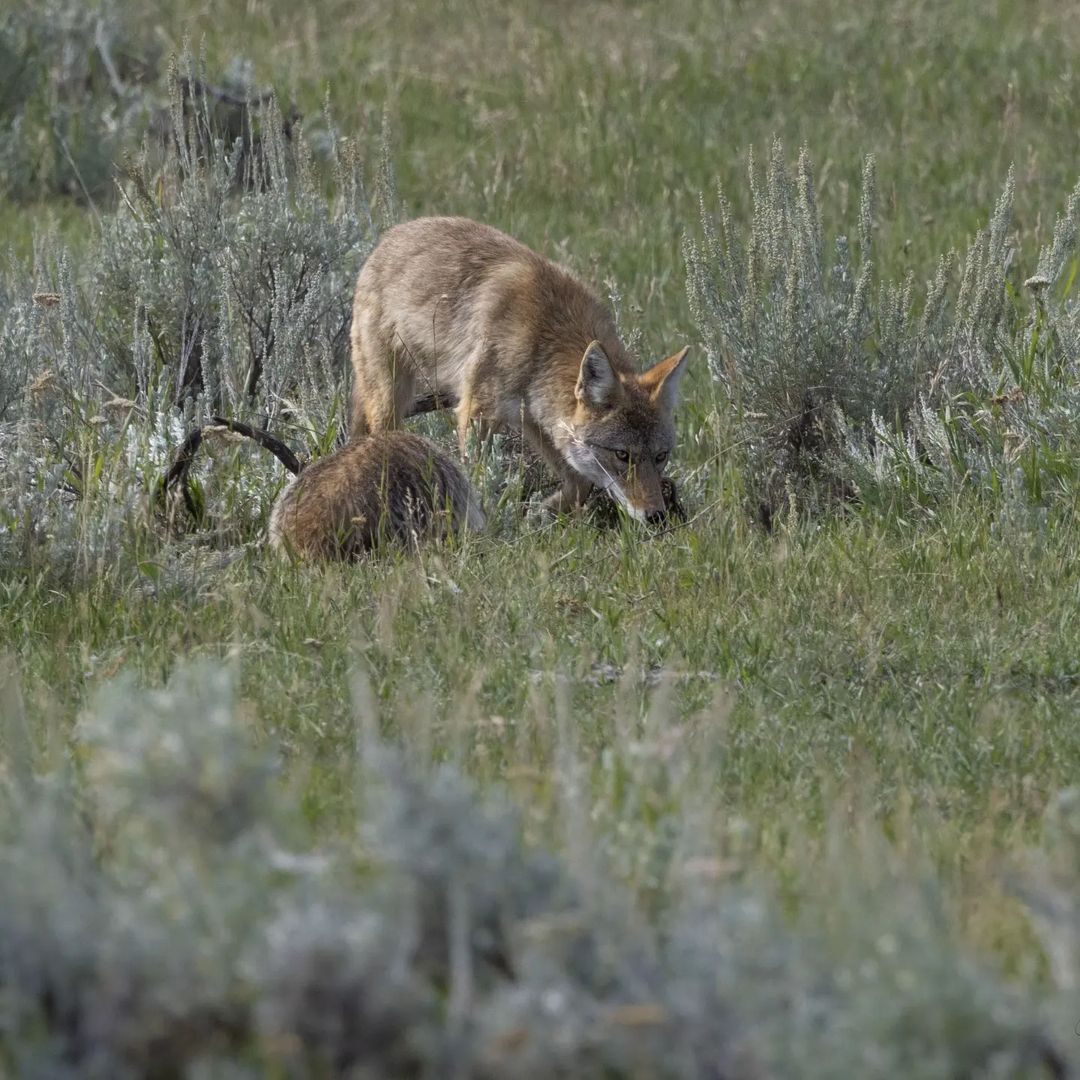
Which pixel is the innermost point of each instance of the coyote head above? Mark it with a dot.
(624, 429)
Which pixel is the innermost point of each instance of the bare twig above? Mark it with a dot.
(177, 473)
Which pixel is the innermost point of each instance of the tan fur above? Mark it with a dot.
(392, 486)
(456, 312)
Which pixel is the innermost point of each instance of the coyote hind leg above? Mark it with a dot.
(358, 426)
(384, 376)
(384, 395)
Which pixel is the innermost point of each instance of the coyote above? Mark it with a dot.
(452, 312)
(392, 486)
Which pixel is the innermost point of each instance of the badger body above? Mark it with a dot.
(388, 487)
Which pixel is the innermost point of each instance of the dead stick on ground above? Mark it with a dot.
(185, 456)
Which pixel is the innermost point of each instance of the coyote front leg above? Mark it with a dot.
(574, 488)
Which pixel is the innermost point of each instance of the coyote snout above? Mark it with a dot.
(622, 430)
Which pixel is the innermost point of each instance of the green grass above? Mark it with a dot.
(918, 673)
(930, 668)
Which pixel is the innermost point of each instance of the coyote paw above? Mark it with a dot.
(557, 504)
(546, 510)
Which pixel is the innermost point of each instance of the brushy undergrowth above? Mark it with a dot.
(74, 82)
(222, 282)
(164, 905)
(843, 386)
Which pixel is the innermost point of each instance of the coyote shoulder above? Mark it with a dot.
(453, 312)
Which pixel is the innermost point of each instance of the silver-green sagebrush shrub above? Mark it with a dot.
(220, 283)
(841, 386)
(164, 909)
(236, 297)
(72, 87)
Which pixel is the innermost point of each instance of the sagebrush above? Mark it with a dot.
(843, 386)
(164, 901)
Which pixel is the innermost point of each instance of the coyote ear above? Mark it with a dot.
(596, 382)
(662, 380)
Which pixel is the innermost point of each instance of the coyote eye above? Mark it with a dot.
(622, 455)
(661, 457)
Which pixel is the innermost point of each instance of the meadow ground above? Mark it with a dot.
(876, 694)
